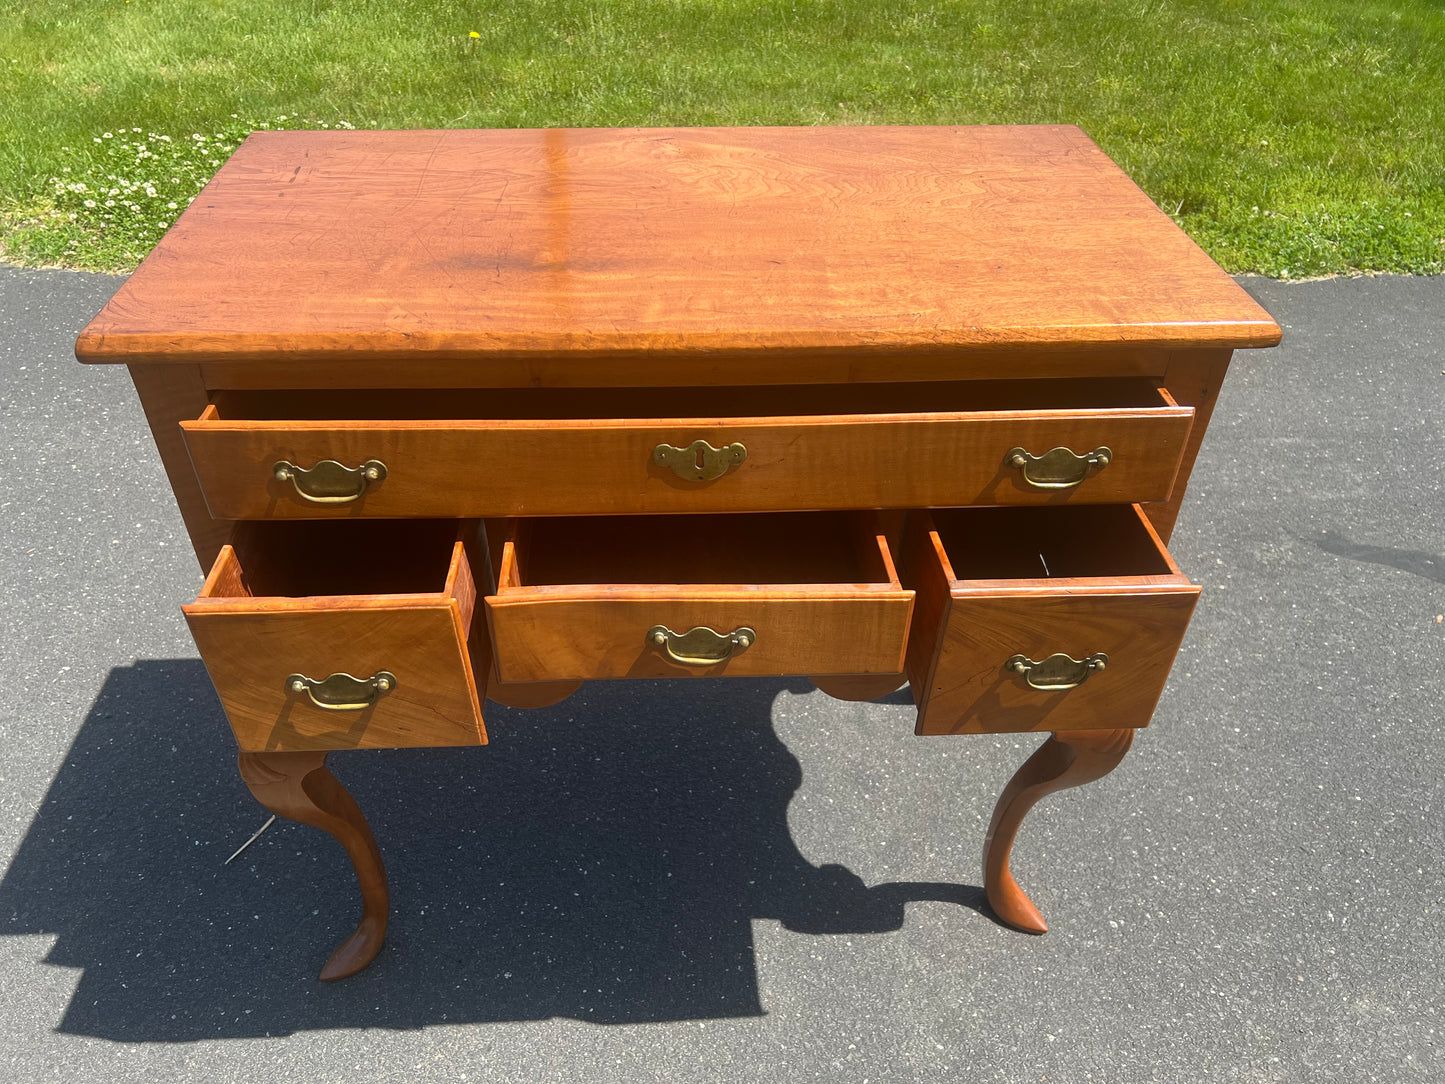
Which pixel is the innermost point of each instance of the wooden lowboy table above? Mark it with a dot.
(461, 415)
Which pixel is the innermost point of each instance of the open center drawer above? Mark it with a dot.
(539, 452)
(345, 635)
(677, 596)
(1041, 618)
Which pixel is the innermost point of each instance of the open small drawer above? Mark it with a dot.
(345, 635)
(675, 596)
(1041, 618)
(606, 451)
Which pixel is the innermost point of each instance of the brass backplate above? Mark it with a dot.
(1057, 672)
(701, 646)
(342, 692)
(1058, 468)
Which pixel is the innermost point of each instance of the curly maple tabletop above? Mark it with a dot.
(581, 243)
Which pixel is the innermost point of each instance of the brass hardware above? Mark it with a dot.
(699, 461)
(1058, 468)
(329, 482)
(342, 692)
(701, 646)
(1057, 672)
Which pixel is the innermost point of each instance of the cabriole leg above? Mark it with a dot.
(1068, 759)
(298, 786)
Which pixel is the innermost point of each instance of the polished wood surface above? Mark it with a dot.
(1065, 760)
(299, 786)
(1071, 581)
(250, 643)
(569, 247)
(574, 599)
(169, 395)
(1194, 378)
(722, 368)
(547, 466)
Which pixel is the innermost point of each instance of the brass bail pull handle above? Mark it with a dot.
(330, 482)
(1058, 468)
(700, 461)
(701, 646)
(1057, 672)
(342, 692)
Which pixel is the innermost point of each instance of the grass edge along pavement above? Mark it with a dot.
(1293, 138)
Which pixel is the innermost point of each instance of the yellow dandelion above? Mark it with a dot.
(474, 34)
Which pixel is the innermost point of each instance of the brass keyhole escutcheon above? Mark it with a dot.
(699, 461)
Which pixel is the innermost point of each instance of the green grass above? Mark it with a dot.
(1289, 137)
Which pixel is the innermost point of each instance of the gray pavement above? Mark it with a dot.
(761, 883)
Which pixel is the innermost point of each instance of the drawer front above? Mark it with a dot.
(972, 638)
(410, 653)
(606, 635)
(733, 595)
(570, 467)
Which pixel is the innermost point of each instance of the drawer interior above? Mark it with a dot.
(773, 548)
(622, 404)
(333, 557)
(1050, 543)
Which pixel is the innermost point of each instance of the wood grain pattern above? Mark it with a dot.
(169, 395)
(251, 643)
(923, 565)
(1194, 378)
(1065, 760)
(959, 678)
(544, 630)
(632, 369)
(569, 246)
(299, 786)
(542, 467)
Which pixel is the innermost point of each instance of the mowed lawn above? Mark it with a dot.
(1289, 137)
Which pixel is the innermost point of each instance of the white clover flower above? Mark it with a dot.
(90, 203)
(171, 206)
(106, 135)
(110, 203)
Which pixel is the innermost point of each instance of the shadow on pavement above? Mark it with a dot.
(602, 859)
(1417, 562)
